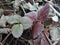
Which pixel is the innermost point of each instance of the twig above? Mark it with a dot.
(23, 39)
(5, 3)
(47, 38)
(9, 10)
(0, 37)
(55, 42)
(5, 30)
(54, 10)
(33, 2)
(3, 42)
(23, 9)
(31, 42)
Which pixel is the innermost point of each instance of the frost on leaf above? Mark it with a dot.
(37, 29)
(43, 12)
(14, 19)
(32, 7)
(32, 15)
(17, 30)
(41, 40)
(26, 22)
